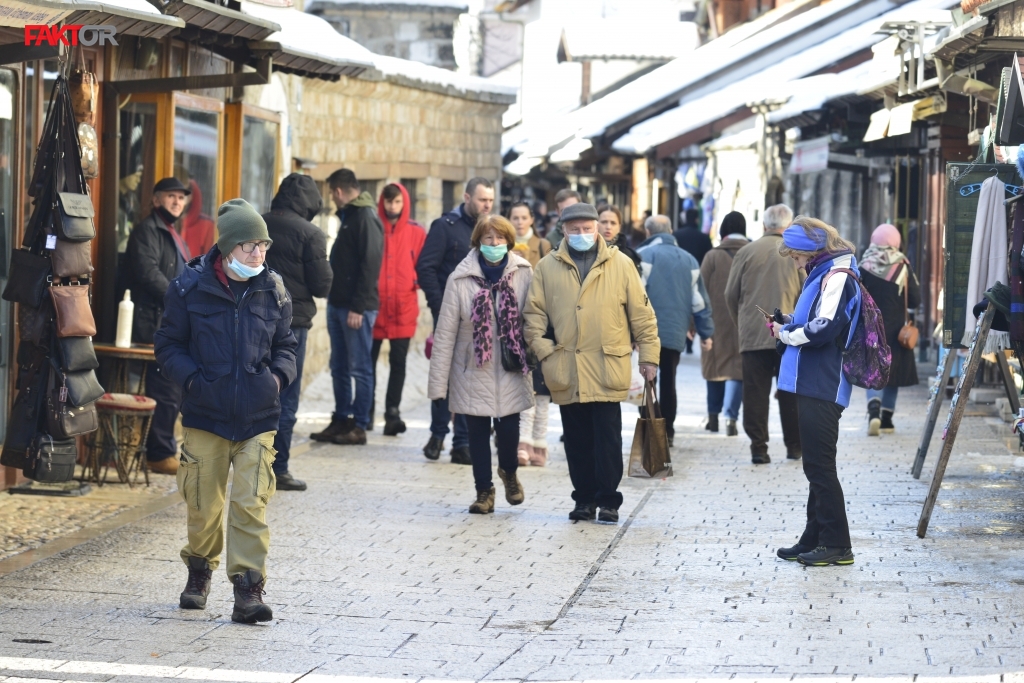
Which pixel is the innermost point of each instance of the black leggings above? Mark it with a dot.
(826, 505)
(396, 379)
(506, 433)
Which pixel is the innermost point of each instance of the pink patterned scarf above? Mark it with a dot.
(509, 320)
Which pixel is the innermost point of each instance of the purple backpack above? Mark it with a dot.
(867, 360)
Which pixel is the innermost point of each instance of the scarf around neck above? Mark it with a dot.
(884, 262)
(509, 320)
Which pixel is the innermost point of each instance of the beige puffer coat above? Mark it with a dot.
(588, 361)
(489, 390)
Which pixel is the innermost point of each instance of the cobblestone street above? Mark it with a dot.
(378, 572)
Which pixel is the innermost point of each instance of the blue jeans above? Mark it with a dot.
(289, 405)
(728, 393)
(351, 360)
(887, 396)
(440, 415)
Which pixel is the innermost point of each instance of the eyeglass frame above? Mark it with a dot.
(262, 245)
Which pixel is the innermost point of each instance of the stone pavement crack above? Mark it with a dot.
(600, 560)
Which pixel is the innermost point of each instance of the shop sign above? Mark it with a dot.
(810, 156)
(70, 35)
(17, 14)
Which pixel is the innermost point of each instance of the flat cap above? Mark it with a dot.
(577, 212)
(171, 184)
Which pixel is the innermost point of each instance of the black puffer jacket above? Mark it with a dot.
(356, 256)
(446, 246)
(890, 302)
(299, 252)
(226, 353)
(152, 260)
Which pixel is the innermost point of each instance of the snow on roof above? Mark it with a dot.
(452, 4)
(812, 93)
(310, 36)
(139, 10)
(426, 77)
(613, 39)
(696, 112)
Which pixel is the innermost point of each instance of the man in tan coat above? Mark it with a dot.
(761, 277)
(586, 303)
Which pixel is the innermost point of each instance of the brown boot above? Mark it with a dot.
(165, 466)
(336, 428)
(356, 437)
(514, 493)
(540, 456)
(484, 503)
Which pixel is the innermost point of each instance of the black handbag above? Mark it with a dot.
(77, 354)
(26, 413)
(35, 324)
(64, 420)
(72, 217)
(51, 460)
(30, 274)
(509, 361)
(83, 387)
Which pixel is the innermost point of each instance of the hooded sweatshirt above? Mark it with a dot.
(196, 227)
(397, 284)
(356, 256)
(299, 252)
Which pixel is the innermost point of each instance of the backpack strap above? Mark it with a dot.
(832, 272)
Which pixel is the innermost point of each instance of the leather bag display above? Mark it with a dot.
(71, 259)
(26, 413)
(73, 313)
(29, 278)
(83, 387)
(51, 460)
(76, 354)
(64, 420)
(34, 324)
(73, 215)
(649, 457)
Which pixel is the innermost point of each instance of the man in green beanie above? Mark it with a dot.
(226, 339)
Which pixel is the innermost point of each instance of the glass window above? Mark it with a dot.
(137, 164)
(196, 148)
(8, 142)
(259, 161)
(447, 196)
(371, 187)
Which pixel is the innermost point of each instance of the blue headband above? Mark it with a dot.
(795, 237)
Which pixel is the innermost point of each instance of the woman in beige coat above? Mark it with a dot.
(482, 312)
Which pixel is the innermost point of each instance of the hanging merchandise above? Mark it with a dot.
(83, 87)
(988, 257)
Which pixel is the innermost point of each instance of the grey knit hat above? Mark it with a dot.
(238, 222)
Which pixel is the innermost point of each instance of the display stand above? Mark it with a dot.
(956, 413)
(934, 405)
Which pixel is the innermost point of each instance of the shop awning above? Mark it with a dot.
(214, 24)
(129, 17)
(307, 45)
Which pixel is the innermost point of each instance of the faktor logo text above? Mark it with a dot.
(70, 35)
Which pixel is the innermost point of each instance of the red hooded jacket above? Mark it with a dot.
(196, 227)
(399, 307)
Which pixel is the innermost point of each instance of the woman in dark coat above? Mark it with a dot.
(887, 275)
(609, 224)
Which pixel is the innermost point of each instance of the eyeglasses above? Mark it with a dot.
(248, 247)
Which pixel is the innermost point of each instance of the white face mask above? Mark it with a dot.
(242, 270)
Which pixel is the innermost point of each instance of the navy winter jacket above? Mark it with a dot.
(676, 291)
(819, 331)
(226, 355)
(446, 246)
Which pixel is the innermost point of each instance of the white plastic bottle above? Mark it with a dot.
(125, 313)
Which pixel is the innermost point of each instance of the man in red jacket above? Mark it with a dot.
(399, 306)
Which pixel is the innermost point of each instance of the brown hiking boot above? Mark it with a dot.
(484, 503)
(249, 606)
(336, 428)
(514, 493)
(198, 585)
(355, 437)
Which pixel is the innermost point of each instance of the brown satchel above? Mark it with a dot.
(73, 313)
(909, 332)
(649, 457)
(70, 259)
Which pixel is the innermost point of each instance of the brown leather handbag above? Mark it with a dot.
(71, 258)
(908, 333)
(73, 313)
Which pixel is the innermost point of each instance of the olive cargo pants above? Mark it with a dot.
(203, 482)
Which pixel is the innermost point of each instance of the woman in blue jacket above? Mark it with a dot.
(812, 342)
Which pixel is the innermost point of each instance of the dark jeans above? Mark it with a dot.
(667, 387)
(593, 449)
(350, 360)
(826, 506)
(161, 444)
(289, 405)
(506, 438)
(396, 380)
(440, 415)
(759, 367)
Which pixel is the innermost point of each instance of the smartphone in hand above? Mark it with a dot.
(766, 314)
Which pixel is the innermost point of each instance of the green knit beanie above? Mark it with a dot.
(238, 222)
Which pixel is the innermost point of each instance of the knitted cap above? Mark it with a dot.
(886, 235)
(238, 222)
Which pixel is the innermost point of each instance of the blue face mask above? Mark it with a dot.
(494, 254)
(581, 242)
(242, 270)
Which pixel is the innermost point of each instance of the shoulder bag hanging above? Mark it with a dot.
(73, 312)
(29, 277)
(51, 460)
(64, 420)
(908, 333)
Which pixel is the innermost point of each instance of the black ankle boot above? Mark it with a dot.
(433, 448)
(337, 427)
(712, 425)
(874, 410)
(198, 585)
(393, 425)
(249, 606)
(887, 426)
